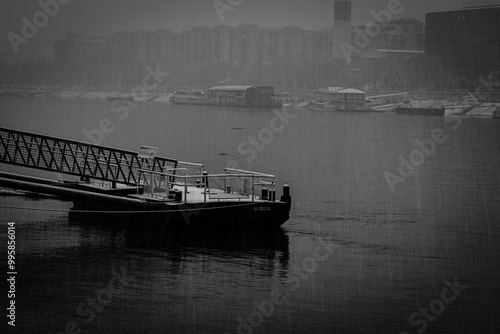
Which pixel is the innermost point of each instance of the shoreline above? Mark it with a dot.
(448, 100)
(82, 93)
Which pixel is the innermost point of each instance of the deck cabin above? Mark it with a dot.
(344, 99)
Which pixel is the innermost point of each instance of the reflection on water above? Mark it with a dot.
(270, 244)
(72, 259)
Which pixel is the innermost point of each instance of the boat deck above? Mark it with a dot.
(196, 195)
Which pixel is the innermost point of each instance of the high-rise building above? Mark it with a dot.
(341, 28)
(246, 43)
(197, 46)
(269, 46)
(129, 46)
(79, 48)
(314, 47)
(400, 34)
(292, 40)
(289, 56)
(163, 40)
(222, 43)
(466, 42)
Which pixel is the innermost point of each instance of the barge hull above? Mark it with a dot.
(89, 205)
(184, 217)
(420, 111)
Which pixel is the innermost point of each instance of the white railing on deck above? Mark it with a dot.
(182, 177)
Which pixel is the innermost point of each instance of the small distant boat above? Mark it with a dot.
(327, 106)
(385, 108)
(189, 97)
(426, 111)
(420, 106)
(345, 100)
(321, 106)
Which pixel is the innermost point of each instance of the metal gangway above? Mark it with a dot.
(87, 161)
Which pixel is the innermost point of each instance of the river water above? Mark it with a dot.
(367, 248)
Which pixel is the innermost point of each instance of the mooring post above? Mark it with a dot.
(253, 188)
(205, 185)
(205, 191)
(205, 178)
(185, 188)
(166, 184)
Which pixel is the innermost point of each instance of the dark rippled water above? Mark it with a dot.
(355, 256)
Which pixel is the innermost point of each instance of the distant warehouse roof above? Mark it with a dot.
(231, 87)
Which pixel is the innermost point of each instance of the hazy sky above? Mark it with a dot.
(107, 16)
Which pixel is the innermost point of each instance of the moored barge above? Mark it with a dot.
(345, 100)
(233, 96)
(420, 106)
(142, 187)
(427, 111)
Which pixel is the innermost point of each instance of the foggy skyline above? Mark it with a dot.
(98, 18)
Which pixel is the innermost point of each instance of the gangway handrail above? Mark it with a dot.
(189, 164)
(73, 157)
(205, 175)
(227, 176)
(249, 172)
(73, 141)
